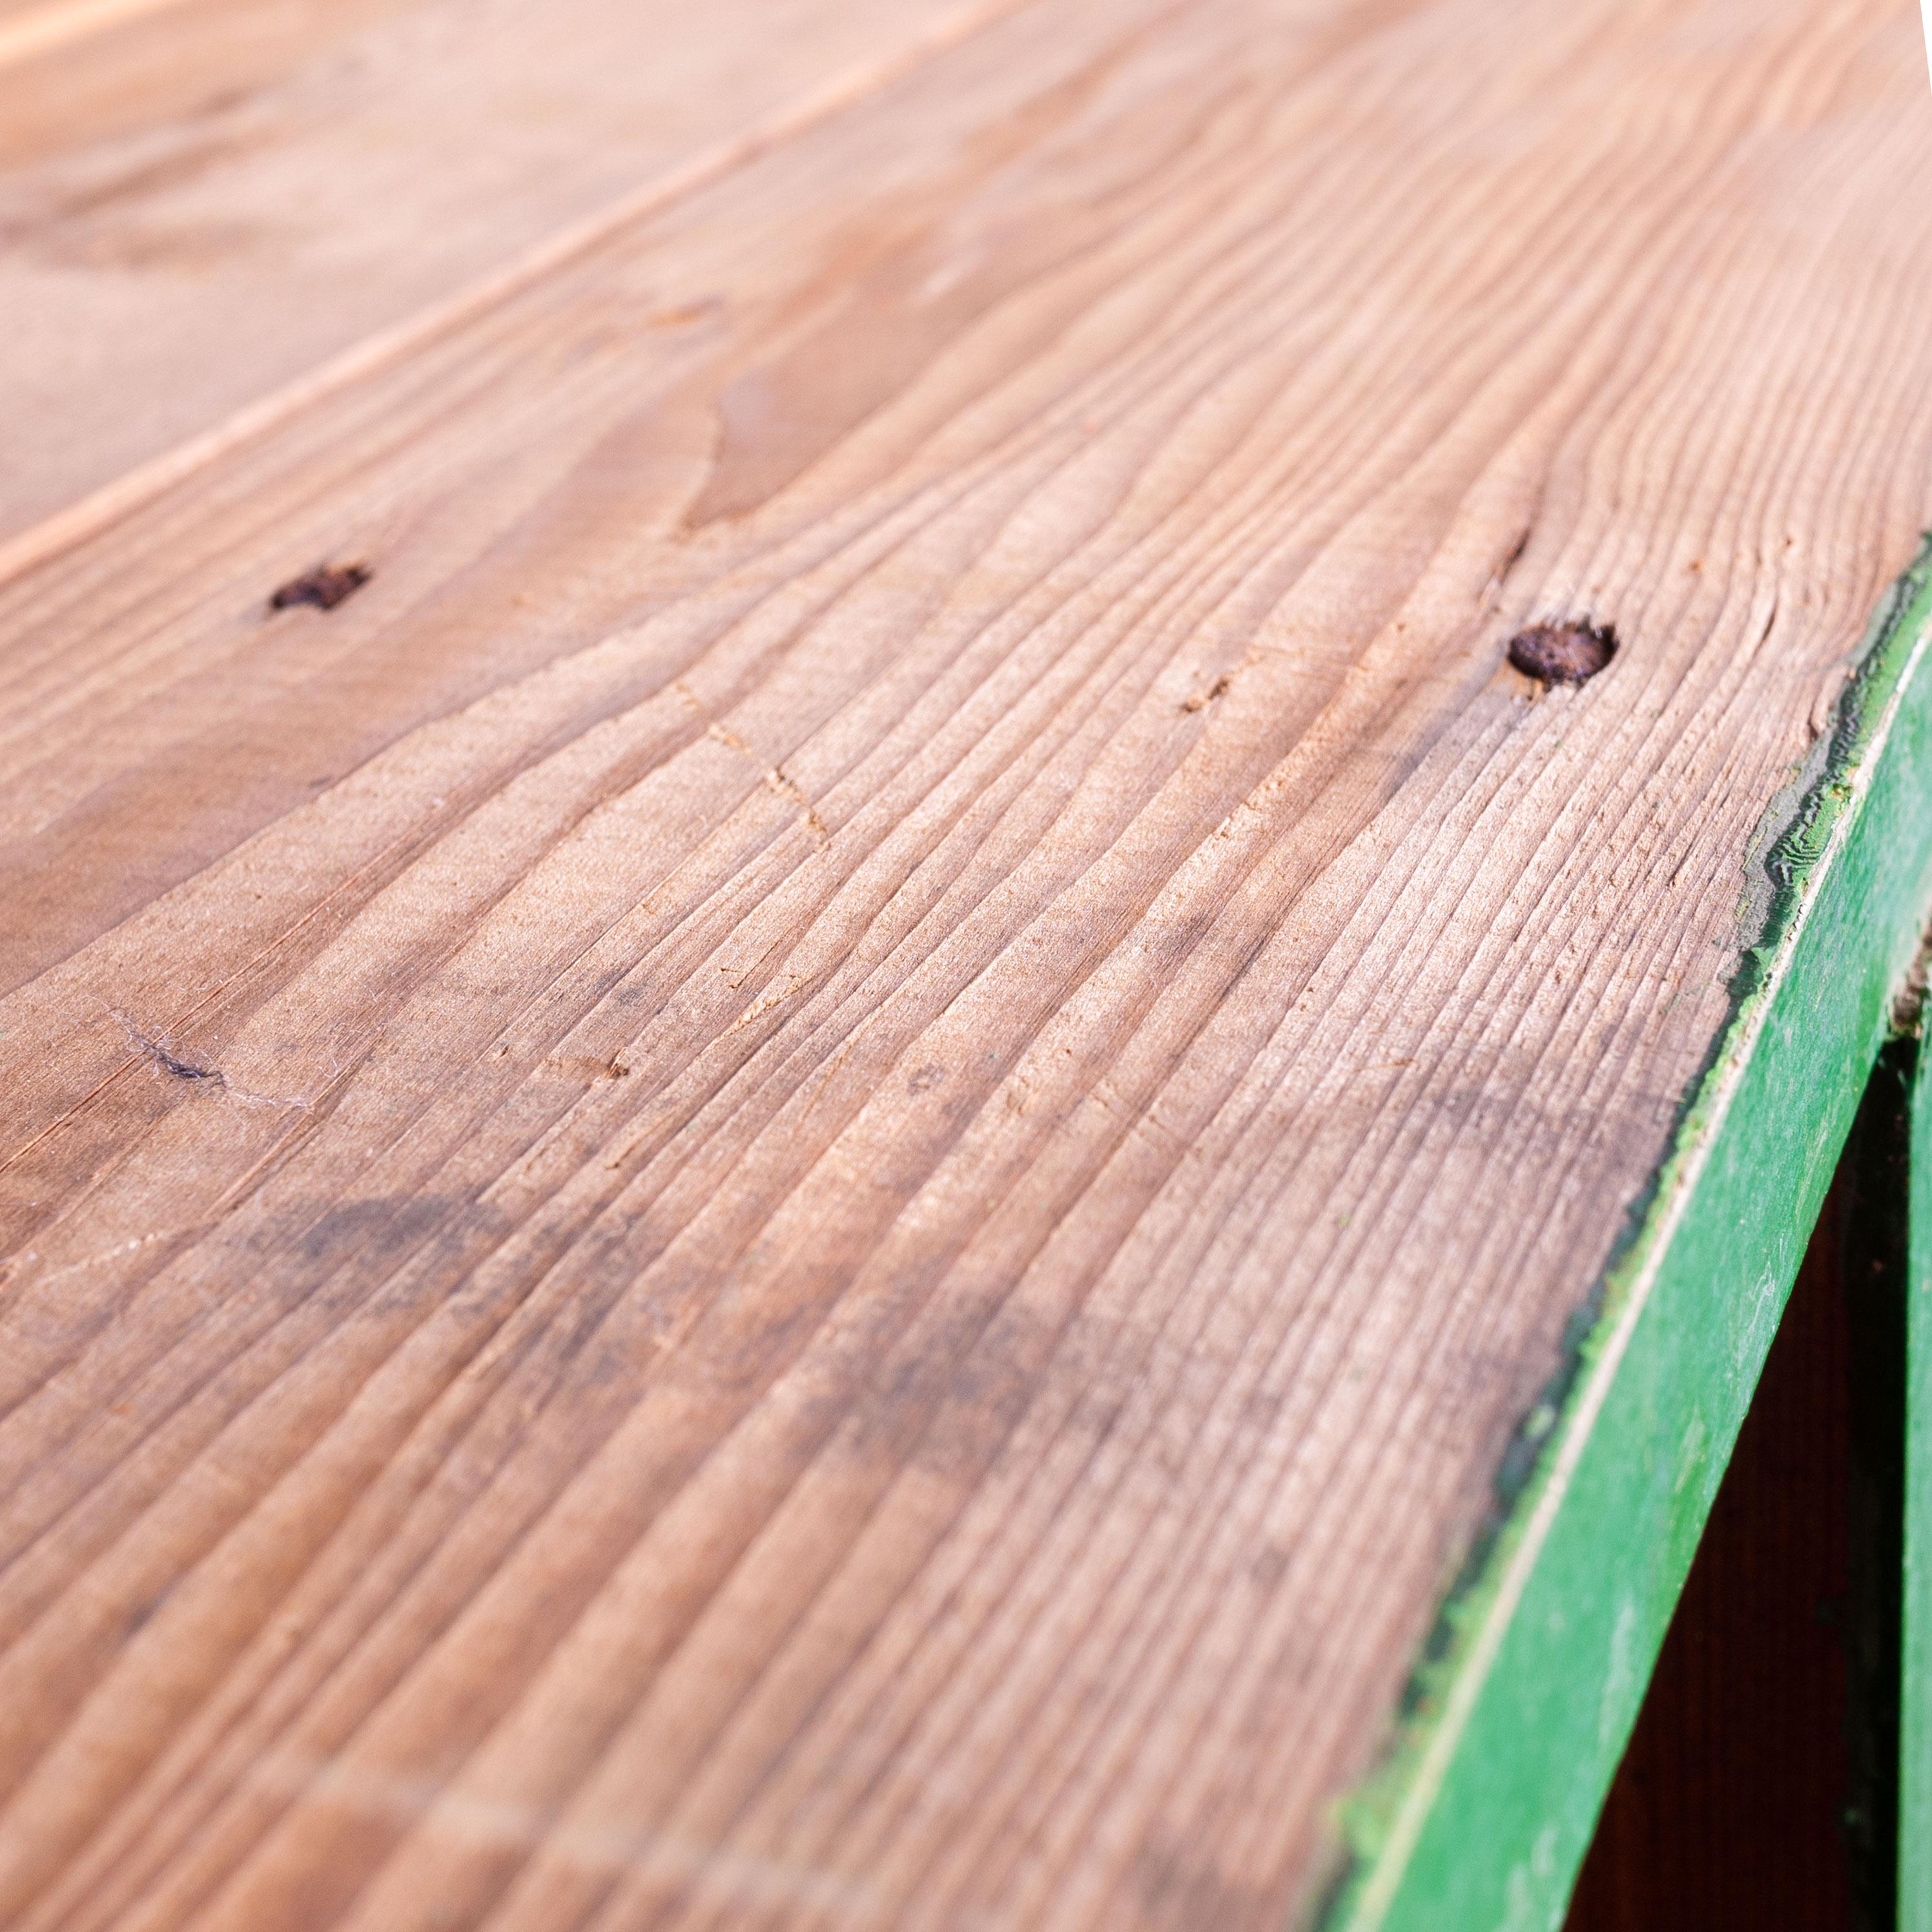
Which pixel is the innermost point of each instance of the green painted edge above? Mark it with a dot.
(1519, 1710)
(1915, 1754)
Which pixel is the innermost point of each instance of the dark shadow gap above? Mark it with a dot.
(1759, 1790)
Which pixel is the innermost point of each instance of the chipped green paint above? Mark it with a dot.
(1521, 1706)
(1915, 1762)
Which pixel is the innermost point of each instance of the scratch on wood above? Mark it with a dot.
(763, 1004)
(1199, 700)
(1110, 1102)
(776, 779)
(119, 1252)
(789, 789)
(1501, 574)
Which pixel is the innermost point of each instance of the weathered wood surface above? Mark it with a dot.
(808, 1182)
(212, 208)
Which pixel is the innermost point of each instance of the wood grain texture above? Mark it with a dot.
(205, 201)
(1480, 1812)
(30, 28)
(809, 1181)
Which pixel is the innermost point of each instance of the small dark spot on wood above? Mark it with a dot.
(142, 1611)
(925, 1079)
(182, 1070)
(1268, 1566)
(325, 587)
(160, 1056)
(1563, 653)
(375, 1227)
(1220, 688)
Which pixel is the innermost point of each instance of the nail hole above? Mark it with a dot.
(1563, 653)
(325, 587)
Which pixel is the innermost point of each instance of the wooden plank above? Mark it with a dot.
(31, 27)
(811, 1180)
(206, 202)
(1518, 1723)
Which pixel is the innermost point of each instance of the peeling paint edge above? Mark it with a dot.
(1793, 864)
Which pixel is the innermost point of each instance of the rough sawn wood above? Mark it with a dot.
(808, 1182)
(214, 210)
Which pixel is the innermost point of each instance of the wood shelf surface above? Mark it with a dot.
(213, 208)
(812, 1179)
